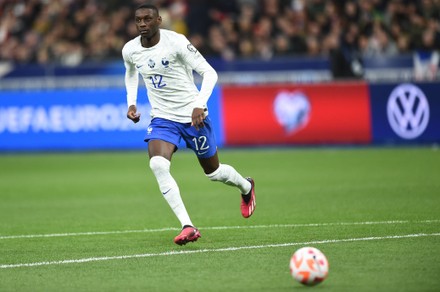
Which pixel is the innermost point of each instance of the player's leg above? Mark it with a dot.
(163, 139)
(228, 175)
(203, 143)
(160, 153)
(224, 173)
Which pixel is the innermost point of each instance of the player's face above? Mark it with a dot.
(147, 22)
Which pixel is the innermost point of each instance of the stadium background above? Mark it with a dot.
(291, 72)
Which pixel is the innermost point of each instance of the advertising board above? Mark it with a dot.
(405, 113)
(332, 113)
(77, 119)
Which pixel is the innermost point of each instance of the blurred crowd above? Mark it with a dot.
(70, 32)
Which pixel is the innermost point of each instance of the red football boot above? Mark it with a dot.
(248, 202)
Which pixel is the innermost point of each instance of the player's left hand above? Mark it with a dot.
(198, 117)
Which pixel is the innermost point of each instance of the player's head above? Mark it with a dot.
(147, 20)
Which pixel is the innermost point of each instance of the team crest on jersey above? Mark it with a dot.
(151, 63)
(149, 130)
(191, 48)
(165, 62)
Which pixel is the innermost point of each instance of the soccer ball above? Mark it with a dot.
(309, 266)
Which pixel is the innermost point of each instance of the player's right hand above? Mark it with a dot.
(133, 115)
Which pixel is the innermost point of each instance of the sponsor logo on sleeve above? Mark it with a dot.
(191, 48)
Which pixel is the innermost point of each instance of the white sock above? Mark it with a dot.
(169, 188)
(228, 175)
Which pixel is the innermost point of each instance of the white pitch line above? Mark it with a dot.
(226, 249)
(88, 233)
(217, 228)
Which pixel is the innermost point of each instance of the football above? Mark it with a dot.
(309, 266)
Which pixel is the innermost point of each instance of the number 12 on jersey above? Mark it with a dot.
(157, 81)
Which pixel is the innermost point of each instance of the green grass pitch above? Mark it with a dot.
(97, 221)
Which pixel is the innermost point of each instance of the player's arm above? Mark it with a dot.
(131, 86)
(198, 63)
(209, 80)
(208, 83)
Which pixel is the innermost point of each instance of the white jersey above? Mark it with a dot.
(167, 70)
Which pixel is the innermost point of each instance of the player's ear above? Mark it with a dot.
(159, 19)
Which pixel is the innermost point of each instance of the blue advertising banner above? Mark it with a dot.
(405, 113)
(77, 119)
(94, 119)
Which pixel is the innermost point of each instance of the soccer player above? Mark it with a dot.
(166, 60)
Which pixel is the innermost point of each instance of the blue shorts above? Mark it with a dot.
(202, 142)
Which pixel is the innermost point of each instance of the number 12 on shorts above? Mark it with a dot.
(200, 144)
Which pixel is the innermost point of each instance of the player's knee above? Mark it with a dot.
(159, 164)
(216, 175)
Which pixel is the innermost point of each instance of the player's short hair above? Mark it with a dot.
(148, 6)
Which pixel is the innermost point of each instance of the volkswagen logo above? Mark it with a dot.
(408, 111)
